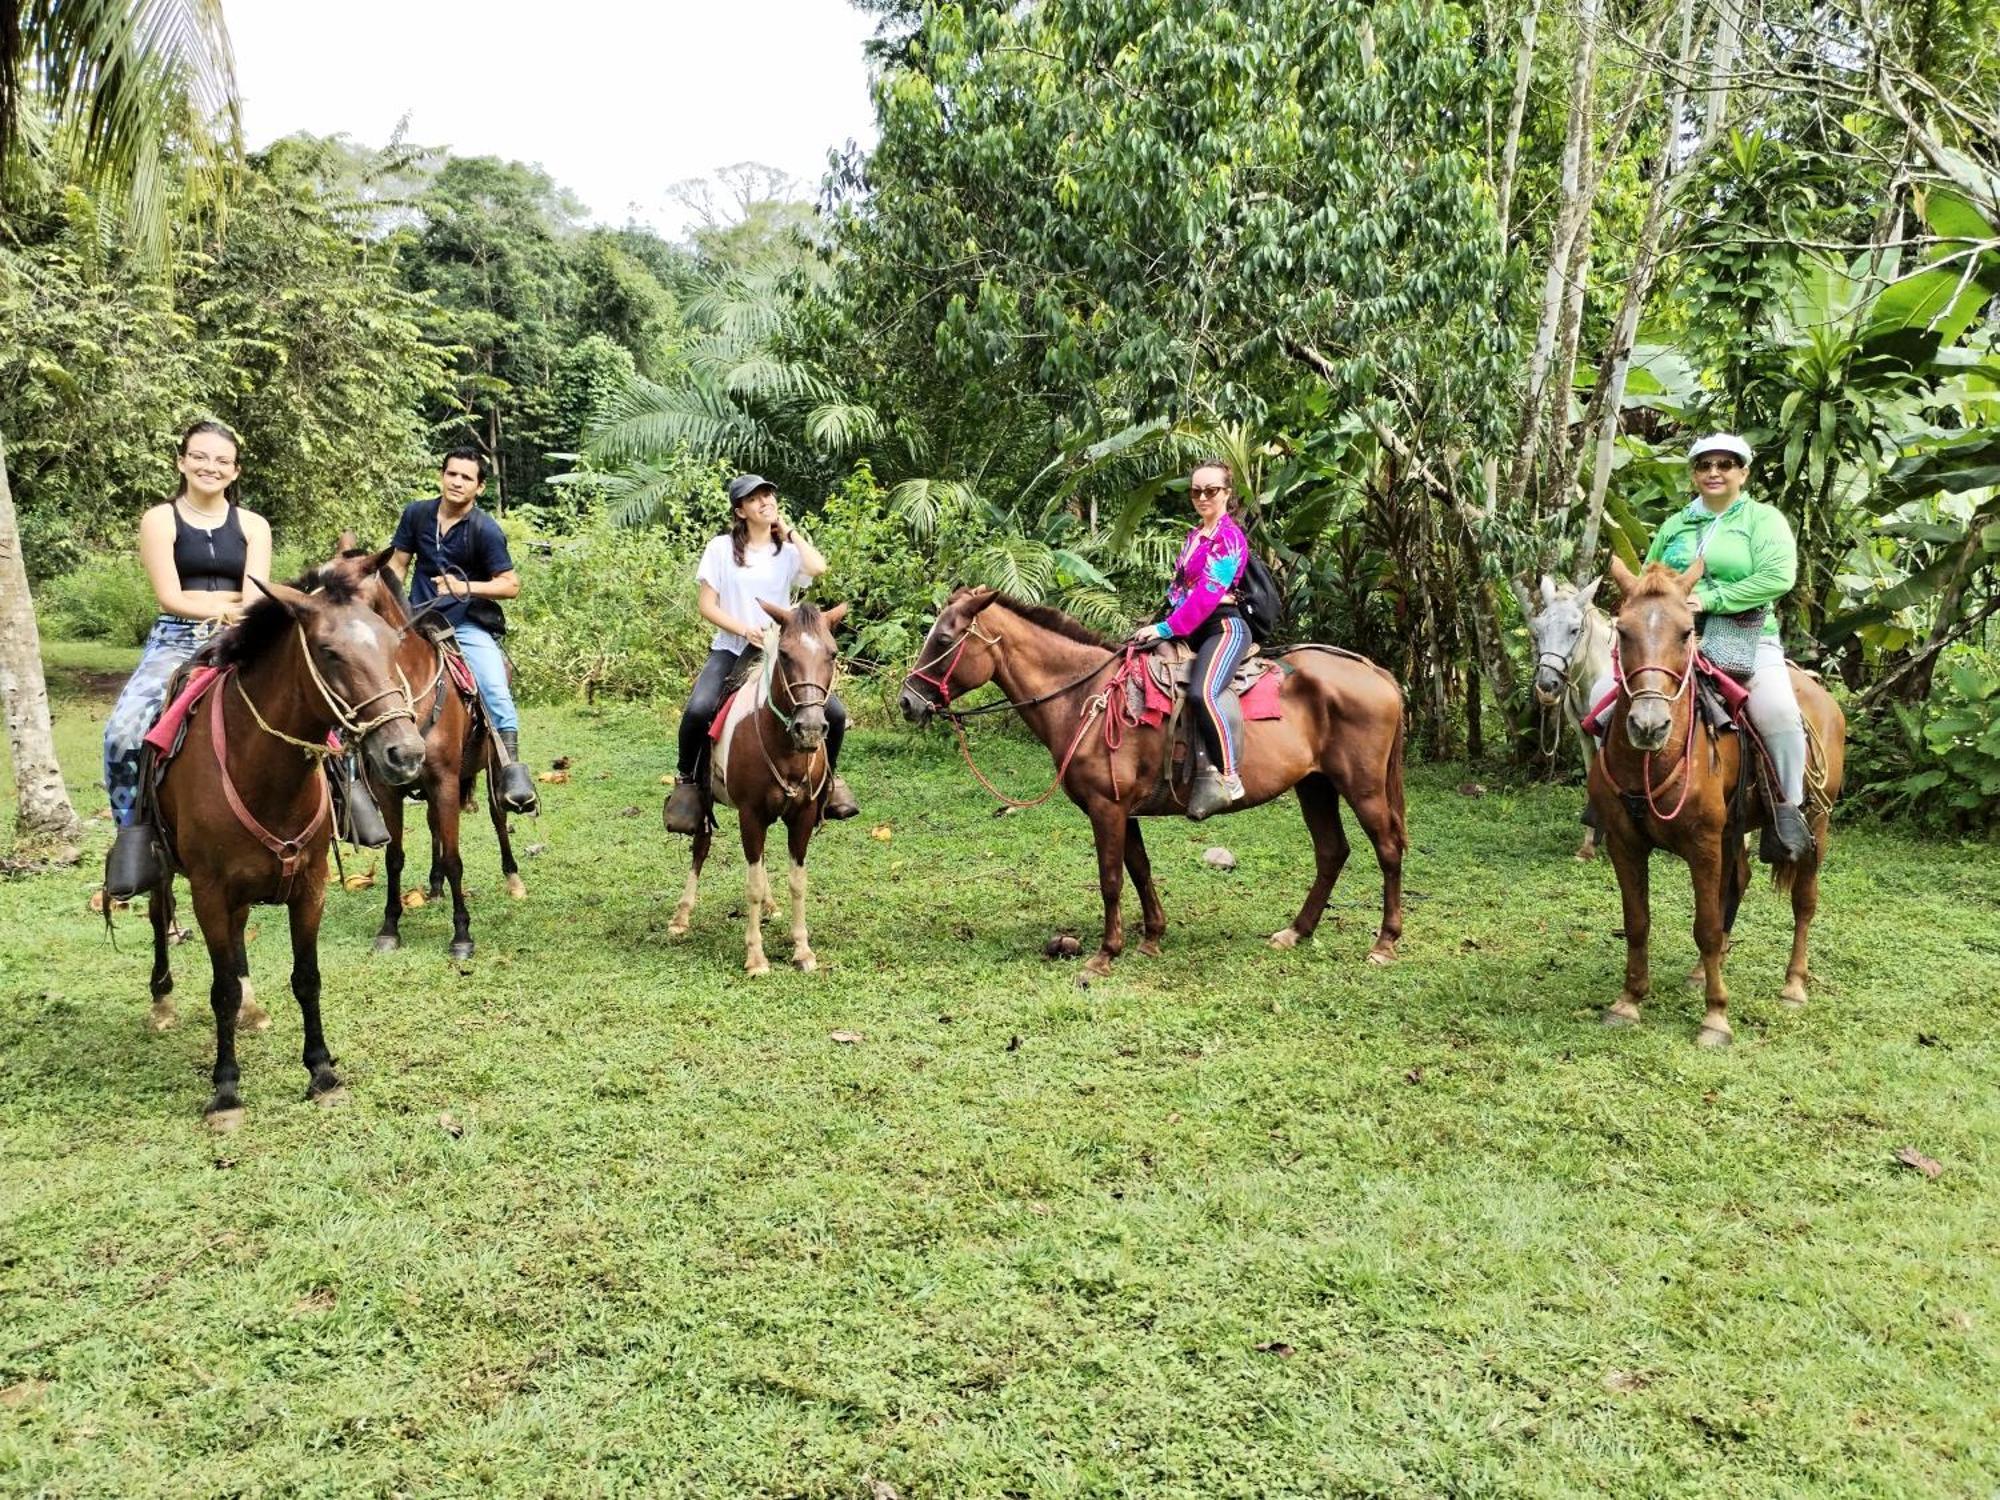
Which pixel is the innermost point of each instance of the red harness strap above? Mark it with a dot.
(291, 853)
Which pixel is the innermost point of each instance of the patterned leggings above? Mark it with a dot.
(1220, 646)
(172, 641)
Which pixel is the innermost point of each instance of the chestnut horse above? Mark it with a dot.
(770, 765)
(306, 660)
(457, 745)
(1340, 735)
(1665, 781)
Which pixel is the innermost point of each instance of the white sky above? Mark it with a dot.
(615, 101)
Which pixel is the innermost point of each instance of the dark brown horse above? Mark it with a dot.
(770, 764)
(457, 745)
(1667, 781)
(1340, 735)
(243, 808)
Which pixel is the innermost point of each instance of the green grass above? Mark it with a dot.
(1022, 1239)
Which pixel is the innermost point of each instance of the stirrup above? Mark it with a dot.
(686, 809)
(133, 863)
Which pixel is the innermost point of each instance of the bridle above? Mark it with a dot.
(346, 715)
(941, 681)
(1683, 681)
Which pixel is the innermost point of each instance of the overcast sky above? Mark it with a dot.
(616, 100)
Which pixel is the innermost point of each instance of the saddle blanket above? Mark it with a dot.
(1258, 684)
(461, 675)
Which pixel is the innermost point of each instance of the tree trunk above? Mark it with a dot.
(41, 801)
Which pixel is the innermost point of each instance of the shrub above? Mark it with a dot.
(1939, 763)
(105, 599)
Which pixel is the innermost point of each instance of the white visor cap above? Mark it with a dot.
(1720, 442)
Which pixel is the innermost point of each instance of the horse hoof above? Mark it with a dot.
(1150, 947)
(250, 1016)
(163, 1016)
(329, 1095)
(462, 949)
(387, 943)
(1285, 937)
(1586, 854)
(1383, 953)
(805, 963)
(517, 888)
(756, 966)
(1615, 1017)
(1713, 1036)
(228, 1118)
(678, 927)
(1793, 995)
(1097, 966)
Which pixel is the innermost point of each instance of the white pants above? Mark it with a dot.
(1774, 710)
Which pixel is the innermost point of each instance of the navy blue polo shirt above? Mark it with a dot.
(476, 546)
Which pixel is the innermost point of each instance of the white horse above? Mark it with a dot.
(1572, 638)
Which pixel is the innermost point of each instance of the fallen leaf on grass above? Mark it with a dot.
(360, 880)
(448, 1123)
(534, 851)
(1960, 1319)
(1218, 858)
(1415, 1075)
(1911, 1157)
(845, 1038)
(669, 779)
(413, 898)
(22, 1392)
(224, 1163)
(1278, 1347)
(881, 833)
(250, 934)
(1471, 789)
(1174, 1118)
(881, 1489)
(628, 812)
(97, 902)
(555, 778)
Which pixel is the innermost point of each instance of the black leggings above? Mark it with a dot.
(705, 698)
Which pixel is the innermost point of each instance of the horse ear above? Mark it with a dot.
(1548, 590)
(977, 599)
(376, 562)
(1586, 594)
(1623, 576)
(1522, 597)
(1693, 575)
(296, 603)
(777, 612)
(832, 617)
(348, 541)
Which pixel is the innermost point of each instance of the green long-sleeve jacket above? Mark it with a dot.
(1751, 560)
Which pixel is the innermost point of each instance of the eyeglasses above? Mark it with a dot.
(1715, 465)
(1206, 491)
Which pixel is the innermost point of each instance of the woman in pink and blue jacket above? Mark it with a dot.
(1202, 611)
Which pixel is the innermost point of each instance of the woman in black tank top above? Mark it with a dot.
(200, 550)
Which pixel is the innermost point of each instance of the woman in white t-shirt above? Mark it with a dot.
(759, 557)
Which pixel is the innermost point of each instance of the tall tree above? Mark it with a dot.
(110, 83)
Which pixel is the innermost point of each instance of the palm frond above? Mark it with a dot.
(840, 427)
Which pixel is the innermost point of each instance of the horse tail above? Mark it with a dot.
(1784, 875)
(1393, 781)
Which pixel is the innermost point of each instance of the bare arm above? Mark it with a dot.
(505, 585)
(156, 552)
(399, 564)
(710, 604)
(812, 562)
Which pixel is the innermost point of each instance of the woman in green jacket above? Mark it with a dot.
(1750, 561)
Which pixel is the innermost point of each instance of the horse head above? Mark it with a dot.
(351, 655)
(1557, 629)
(1655, 628)
(955, 658)
(802, 676)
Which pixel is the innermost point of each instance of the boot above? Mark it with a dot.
(133, 864)
(359, 815)
(685, 811)
(1786, 838)
(517, 787)
(840, 801)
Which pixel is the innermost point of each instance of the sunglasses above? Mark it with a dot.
(1207, 491)
(1715, 465)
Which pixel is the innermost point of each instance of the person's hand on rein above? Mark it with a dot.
(1145, 638)
(445, 584)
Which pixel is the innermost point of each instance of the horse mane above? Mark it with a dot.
(265, 622)
(1050, 618)
(806, 616)
(1658, 579)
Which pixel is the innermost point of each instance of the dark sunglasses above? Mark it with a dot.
(1206, 491)
(1716, 465)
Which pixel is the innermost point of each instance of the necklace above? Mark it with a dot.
(214, 518)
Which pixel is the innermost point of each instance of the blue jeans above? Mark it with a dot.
(172, 641)
(489, 670)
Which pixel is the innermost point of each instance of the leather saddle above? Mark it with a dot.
(1170, 668)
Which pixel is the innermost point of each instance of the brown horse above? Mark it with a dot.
(1340, 735)
(306, 660)
(1664, 781)
(457, 745)
(771, 764)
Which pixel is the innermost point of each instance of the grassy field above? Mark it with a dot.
(1234, 1222)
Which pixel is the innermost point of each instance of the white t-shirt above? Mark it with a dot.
(765, 574)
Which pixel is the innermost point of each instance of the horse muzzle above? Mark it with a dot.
(1548, 689)
(808, 731)
(1647, 727)
(916, 709)
(395, 752)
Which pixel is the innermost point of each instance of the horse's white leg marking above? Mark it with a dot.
(802, 954)
(685, 911)
(756, 892)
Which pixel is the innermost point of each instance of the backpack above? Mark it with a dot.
(1260, 599)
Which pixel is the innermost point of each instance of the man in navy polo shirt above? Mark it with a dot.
(461, 556)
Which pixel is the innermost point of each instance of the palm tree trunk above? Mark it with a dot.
(43, 806)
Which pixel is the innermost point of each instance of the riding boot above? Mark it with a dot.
(1786, 838)
(1207, 795)
(359, 816)
(686, 809)
(133, 864)
(517, 787)
(840, 801)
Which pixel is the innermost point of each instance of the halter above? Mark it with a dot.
(773, 661)
(1684, 680)
(941, 681)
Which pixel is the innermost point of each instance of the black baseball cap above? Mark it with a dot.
(745, 485)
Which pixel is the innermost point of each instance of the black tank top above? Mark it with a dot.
(210, 561)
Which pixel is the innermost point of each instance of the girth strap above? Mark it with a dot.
(291, 853)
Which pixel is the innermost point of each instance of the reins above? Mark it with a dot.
(1684, 679)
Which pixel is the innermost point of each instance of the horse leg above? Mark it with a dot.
(444, 839)
(1321, 806)
(510, 869)
(800, 826)
(1630, 860)
(390, 937)
(1711, 936)
(1383, 825)
(1139, 865)
(305, 911)
(1108, 824)
(756, 892)
(1587, 850)
(250, 1016)
(684, 913)
(1805, 905)
(218, 928)
(161, 910)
